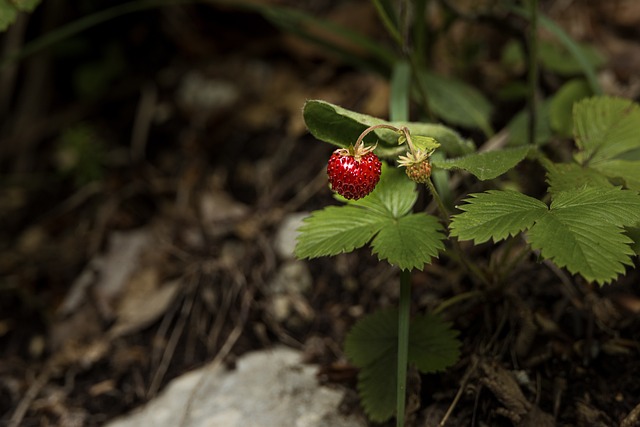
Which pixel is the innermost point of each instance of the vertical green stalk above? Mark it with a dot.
(404, 309)
(533, 69)
(399, 111)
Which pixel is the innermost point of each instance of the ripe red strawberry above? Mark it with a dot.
(354, 172)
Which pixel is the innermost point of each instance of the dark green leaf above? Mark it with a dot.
(341, 127)
(335, 230)
(496, 215)
(372, 345)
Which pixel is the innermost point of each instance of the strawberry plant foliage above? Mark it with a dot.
(582, 230)
(382, 218)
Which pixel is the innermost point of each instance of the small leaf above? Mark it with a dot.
(561, 109)
(496, 215)
(409, 242)
(487, 165)
(457, 102)
(605, 127)
(341, 127)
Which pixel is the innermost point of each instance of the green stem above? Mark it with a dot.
(533, 70)
(444, 214)
(403, 344)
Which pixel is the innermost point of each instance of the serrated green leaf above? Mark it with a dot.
(341, 127)
(409, 242)
(561, 108)
(572, 176)
(487, 165)
(403, 241)
(458, 103)
(605, 127)
(582, 230)
(620, 208)
(634, 234)
(596, 251)
(372, 345)
(337, 229)
(8, 14)
(433, 344)
(496, 215)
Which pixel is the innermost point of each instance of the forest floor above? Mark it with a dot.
(147, 167)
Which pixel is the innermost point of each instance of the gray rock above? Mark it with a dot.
(269, 388)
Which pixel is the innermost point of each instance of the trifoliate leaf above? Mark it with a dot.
(372, 345)
(404, 241)
(605, 127)
(334, 230)
(487, 165)
(496, 215)
(341, 127)
(409, 242)
(582, 230)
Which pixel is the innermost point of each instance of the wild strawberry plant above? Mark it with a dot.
(583, 224)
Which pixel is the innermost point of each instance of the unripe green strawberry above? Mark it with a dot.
(419, 172)
(354, 172)
(418, 166)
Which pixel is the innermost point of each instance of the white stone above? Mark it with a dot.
(269, 388)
